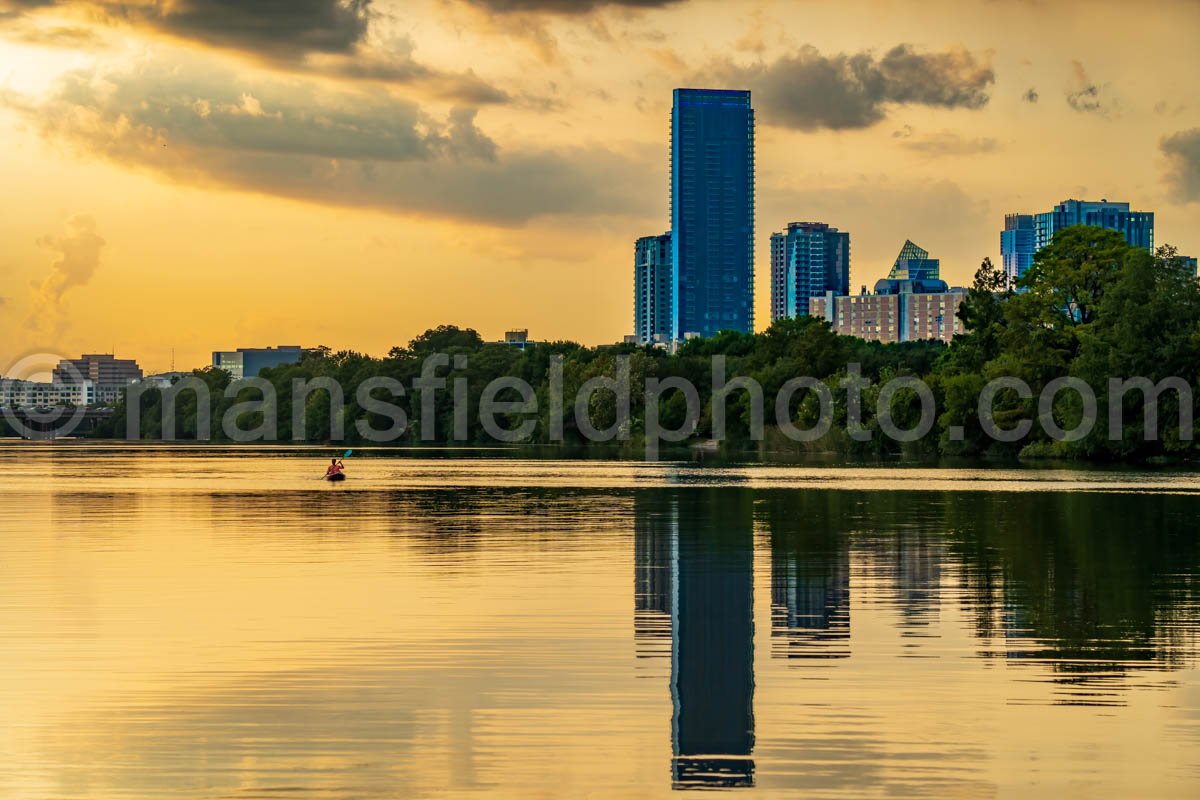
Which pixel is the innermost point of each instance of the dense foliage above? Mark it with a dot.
(1091, 308)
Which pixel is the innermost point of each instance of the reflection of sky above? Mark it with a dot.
(247, 640)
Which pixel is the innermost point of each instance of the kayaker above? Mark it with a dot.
(335, 468)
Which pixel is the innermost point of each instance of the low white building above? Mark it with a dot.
(28, 394)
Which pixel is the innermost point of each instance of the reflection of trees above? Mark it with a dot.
(454, 523)
(1089, 584)
(1092, 583)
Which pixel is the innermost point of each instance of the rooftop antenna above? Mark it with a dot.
(172, 359)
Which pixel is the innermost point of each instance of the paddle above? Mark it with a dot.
(345, 455)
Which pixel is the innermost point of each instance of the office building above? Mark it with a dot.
(1136, 226)
(163, 380)
(808, 259)
(652, 281)
(248, 362)
(1188, 263)
(1017, 245)
(900, 316)
(100, 369)
(20, 395)
(517, 339)
(914, 264)
(712, 212)
(1025, 234)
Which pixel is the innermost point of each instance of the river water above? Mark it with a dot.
(215, 623)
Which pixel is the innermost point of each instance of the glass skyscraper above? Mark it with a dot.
(808, 259)
(652, 281)
(1017, 245)
(1136, 226)
(712, 212)
(1025, 234)
(914, 264)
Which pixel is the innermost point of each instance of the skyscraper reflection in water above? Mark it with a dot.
(810, 593)
(707, 587)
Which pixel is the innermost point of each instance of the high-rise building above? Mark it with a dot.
(652, 281)
(100, 369)
(1136, 226)
(808, 259)
(712, 212)
(1017, 245)
(247, 362)
(909, 314)
(914, 264)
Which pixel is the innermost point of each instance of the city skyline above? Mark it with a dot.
(274, 205)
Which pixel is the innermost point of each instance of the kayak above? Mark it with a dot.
(337, 476)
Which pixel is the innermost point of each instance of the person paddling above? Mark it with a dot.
(336, 467)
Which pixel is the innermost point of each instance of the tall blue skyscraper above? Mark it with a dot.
(1136, 226)
(808, 259)
(712, 212)
(652, 281)
(1017, 245)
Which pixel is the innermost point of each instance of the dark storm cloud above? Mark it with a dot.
(808, 90)
(1183, 158)
(12, 8)
(362, 149)
(325, 36)
(565, 6)
(283, 27)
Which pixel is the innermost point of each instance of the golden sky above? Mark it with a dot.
(193, 175)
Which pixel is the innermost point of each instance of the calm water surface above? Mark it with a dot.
(221, 624)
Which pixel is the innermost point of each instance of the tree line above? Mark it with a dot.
(1090, 308)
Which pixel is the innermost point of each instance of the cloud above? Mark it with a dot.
(190, 106)
(358, 149)
(280, 29)
(1030, 96)
(808, 90)
(1087, 97)
(78, 251)
(946, 143)
(565, 6)
(326, 37)
(529, 21)
(1183, 160)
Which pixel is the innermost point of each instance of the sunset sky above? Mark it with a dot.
(193, 175)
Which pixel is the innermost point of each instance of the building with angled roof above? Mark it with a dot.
(914, 264)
